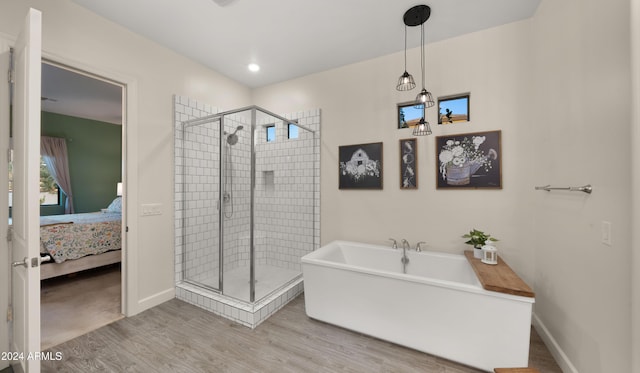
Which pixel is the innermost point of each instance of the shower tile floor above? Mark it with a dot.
(236, 281)
(275, 287)
(268, 279)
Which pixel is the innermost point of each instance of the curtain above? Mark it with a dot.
(54, 154)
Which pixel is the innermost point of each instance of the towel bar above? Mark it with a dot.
(585, 188)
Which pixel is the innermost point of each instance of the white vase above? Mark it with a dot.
(477, 252)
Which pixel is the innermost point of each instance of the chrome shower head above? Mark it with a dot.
(232, 139)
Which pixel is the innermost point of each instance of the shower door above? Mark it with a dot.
(200, 202)
(235, 202)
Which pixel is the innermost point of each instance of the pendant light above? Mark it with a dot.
(415, 16)
(424, 97)
(422, 128)
(405, 82)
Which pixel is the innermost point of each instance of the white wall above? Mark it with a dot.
(81, 38)
(581, 111)
(359, 106)
(557, 86)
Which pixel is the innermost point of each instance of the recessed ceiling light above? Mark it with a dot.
(254, 67)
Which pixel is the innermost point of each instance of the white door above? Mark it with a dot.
(26, 203)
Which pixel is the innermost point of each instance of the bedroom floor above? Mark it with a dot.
(77, 304)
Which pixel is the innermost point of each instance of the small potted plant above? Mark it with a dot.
(477, 239)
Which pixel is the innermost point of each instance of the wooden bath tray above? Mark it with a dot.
(499, 277)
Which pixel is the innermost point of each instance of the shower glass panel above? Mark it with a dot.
(200, 195)
(236, 205)
(283, 203)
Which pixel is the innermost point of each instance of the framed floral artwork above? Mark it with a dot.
(454, 109)
(360, 166)
(408, 164)
(470, 160)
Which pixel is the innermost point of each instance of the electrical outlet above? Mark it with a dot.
(150, 209)
(606, 233)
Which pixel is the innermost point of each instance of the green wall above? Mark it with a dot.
(95, 160)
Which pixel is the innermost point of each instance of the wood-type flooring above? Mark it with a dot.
(178, 337)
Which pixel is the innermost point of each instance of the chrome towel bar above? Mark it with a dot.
(585, 188)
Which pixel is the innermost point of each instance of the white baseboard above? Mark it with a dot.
(156, 299)
(561, 358)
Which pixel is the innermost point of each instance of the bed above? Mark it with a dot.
(76, 242)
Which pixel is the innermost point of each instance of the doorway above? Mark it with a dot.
(83, 290)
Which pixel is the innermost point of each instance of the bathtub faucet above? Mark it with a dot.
(405, 259)
(418, 248)
(395, 243)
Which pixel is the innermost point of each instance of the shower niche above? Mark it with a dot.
(246, 209)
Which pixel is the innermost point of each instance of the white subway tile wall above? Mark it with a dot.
(286, 207)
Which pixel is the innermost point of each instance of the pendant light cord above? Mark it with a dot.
(422, 52)
(405, 47)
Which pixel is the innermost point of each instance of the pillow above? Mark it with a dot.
(116, 205)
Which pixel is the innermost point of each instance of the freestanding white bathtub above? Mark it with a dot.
(438, 306)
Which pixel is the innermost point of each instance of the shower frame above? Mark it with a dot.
(219, 117)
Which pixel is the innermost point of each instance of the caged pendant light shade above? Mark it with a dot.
(424, 98)
(422, 128)
(405, 82)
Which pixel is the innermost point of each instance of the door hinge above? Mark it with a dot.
(10, 77)
(126, 229)
(9, 234)
(9, 314)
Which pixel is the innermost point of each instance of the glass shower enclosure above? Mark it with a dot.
(246, 201)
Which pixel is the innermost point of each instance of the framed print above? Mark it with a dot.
(360, 166)
(408, 164)
(470, 160)
(409, 115)
(453, 109)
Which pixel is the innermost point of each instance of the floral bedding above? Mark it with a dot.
(74, 236)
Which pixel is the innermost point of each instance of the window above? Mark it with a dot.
(292, 131)
(271, 133)
(49, 191)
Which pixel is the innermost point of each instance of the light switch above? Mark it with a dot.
(150, 209)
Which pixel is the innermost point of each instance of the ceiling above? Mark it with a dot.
(79, 95)
(287, 38)
(293, 38)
